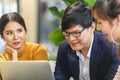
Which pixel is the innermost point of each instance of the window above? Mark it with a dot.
(8, 6)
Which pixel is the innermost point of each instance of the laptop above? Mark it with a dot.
(26, 70)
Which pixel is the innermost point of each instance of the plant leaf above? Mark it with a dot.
(56, 36)
(69, 2)
(90, 2)
(54, 10)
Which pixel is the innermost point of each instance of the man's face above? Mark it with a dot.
(78, 37)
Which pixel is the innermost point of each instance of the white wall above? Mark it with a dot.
(29, 10)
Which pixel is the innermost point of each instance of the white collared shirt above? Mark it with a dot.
(85, 63)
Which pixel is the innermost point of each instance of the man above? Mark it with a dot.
(86, 54)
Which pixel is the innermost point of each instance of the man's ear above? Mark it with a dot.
(118, 20)
(92, 27)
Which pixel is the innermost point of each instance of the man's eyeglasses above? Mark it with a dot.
(74, 34)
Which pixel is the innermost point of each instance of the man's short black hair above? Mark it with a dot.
(77, 14)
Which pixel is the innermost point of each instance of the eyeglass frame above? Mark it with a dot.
(74, 34)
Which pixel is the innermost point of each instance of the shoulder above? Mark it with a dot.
(102, 41)
(101, 37)
(64, 48)
(34, 45)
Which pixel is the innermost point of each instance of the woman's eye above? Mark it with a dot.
(9, 33)
(19, 30)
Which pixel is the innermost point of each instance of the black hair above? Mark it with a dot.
(13, 16)
(77, 14)
(106, 9)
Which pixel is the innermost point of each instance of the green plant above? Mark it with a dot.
(56, 36)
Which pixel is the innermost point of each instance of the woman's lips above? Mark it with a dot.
(16, 43)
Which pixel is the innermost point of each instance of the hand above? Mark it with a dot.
(12, 51)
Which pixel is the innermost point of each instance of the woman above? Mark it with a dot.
(107, 13)
(13, 31)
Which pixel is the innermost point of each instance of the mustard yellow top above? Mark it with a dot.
(31, 51)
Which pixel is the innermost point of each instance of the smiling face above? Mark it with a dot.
(14, 35)
(110, 29)
(80, 42)
(108, 17)
(105, 27)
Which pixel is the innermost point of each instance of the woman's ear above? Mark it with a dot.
(116, 21)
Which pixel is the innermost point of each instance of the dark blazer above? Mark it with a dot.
(103, 61)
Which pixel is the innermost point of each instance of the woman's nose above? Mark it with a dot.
(15, 36)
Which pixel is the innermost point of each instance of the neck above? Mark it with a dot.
(87, 47)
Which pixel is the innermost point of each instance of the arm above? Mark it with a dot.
(40, 52)
(60, 74)
(12, 51)
(61, 68)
